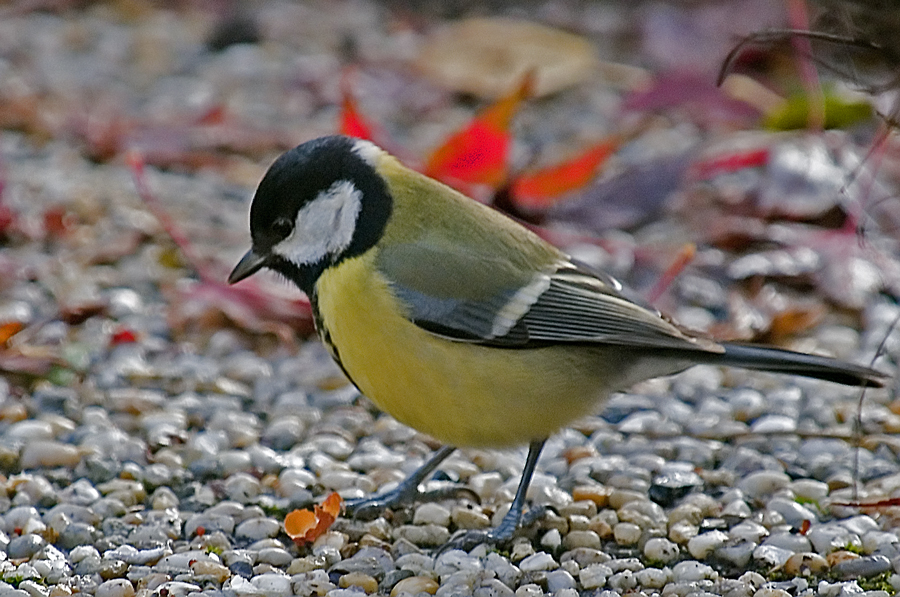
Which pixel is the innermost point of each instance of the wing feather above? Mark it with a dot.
(569, 304)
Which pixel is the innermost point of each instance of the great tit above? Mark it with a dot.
(458, 321)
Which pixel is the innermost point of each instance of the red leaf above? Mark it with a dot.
(478, 154)
(352, 122)
(730, 163)
(540, 189)
(122, 336)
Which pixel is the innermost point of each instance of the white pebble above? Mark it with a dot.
(539, 561)
(771, 556)
(704, 544)
(622, 582)
(689, 571)
(49, 454)
(809, 489)
(117, 587)
(660, 550)
(431, 513)
(275, 556)
(653, 578)
(551, 540)
(594, 576)
(272, 584)
(626, 533)
(529, 590)
(258, 528)
(762, 483)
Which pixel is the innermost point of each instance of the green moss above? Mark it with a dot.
(882, 582)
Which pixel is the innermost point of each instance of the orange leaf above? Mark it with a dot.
(478, 154)
(299, 522)
(305, 526)
(682, 259)
(539, 190)
(10, 329)
(332, 504)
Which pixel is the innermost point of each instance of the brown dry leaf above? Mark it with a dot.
(486, 57)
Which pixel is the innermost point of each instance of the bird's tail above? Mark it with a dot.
(797, 363)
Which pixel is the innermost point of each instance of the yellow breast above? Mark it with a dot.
(462, 394)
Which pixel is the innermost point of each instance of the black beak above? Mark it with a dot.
(249, 264)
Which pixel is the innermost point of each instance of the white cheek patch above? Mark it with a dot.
(324, 227)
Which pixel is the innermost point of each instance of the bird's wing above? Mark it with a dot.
(467, 298)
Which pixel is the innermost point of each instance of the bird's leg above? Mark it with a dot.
(466, 540)
(406, 492)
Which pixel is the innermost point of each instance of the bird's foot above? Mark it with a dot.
(467, 540)
(369, 508)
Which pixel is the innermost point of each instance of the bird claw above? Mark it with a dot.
(369, 508)
(467, 540)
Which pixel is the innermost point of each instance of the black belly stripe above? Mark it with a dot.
(325, 336)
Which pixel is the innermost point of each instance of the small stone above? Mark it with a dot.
(704, 544)
(771, 556)
(432, 513)
(762, 483)
(358, 579)
(415, 585)
(537, 562)
(493, 588)
(48, 454)
(594, 576)
(660, 550)
(586, 538)
(211, 569)
(118, 587)
(653, 578)
(520, 550)
(597, 494)
(620, 497)
(25, 546)
(771, 592)
(805, 564)
(810, 489)
(622, 582)
(558, 580)
(530, 590)
(255, 529)
(627, 533)
(737, 554)
(272, 584)
(794, 514)
(863, 567)
(274, 556)
(551, 540)
(682, 532)
(426, 535)
(748, 530)
(469, 518)
(774, 424)
(692, 571)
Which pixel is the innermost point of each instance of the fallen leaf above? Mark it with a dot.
(10, 329)
(305, 526)
(540, 189)
(352, 122)
(486, 56)
(479, 153)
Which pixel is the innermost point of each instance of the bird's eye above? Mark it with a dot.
(282, 227)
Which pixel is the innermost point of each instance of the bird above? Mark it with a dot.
(457, 320)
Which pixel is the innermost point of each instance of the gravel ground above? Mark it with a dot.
(155, 426)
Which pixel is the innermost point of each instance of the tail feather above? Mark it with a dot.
(797, 363)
